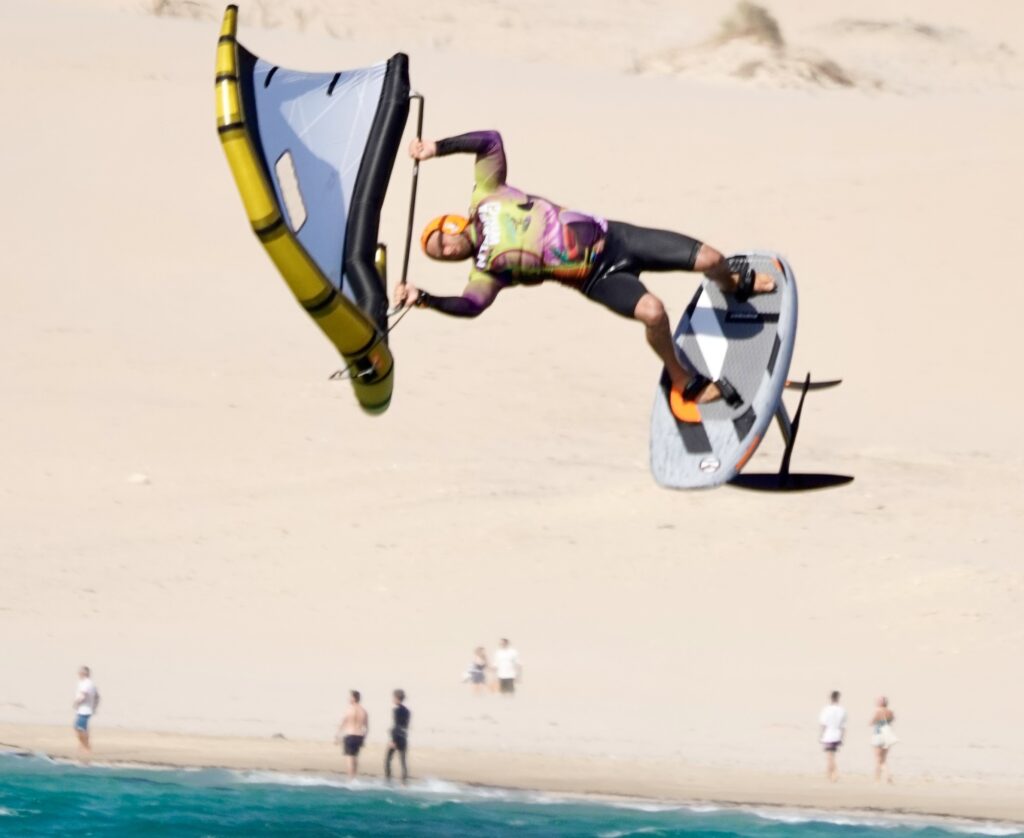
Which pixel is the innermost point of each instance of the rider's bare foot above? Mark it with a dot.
(763, 283)
(709, 394)
(687, 411)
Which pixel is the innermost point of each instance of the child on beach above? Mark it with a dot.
(476, 674)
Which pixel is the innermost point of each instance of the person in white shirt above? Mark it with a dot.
(507, 667)
(87, 701)
(833, 728)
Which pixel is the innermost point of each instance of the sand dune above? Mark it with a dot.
(749, 45)
(871, 54)
(918, 55)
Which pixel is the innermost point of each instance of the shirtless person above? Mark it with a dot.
(352, 732)
(514, 238)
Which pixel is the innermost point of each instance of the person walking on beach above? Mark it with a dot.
(507, 667)
(833, 729)
(87, 701)
(477, 672)
(352, 730)
(399, 735)
(882, 738)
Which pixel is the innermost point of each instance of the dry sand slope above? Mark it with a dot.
(910, 47)
(189, 505)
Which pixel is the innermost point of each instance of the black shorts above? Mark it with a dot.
(507, 685)
(352, 745)
(628, 251)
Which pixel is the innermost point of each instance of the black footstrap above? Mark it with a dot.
(698, 383)
(695, 387)
(745, 287)
(729, 393)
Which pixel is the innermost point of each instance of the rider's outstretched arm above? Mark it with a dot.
(491, 168)
(477, 296)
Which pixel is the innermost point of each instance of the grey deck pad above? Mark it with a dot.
(751, 345)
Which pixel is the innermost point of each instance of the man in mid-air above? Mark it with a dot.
(520, 239)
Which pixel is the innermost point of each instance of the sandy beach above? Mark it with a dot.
(192, 508)
(638, 779)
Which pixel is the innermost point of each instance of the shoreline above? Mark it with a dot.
(611, 781)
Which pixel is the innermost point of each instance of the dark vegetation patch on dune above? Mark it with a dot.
(749, 45)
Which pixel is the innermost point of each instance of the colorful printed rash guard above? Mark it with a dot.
(520, 238)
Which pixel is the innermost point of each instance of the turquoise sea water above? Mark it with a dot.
(41, 797)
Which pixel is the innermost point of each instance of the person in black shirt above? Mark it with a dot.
(399, 736)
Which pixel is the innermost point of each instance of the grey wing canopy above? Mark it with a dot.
(312, 154)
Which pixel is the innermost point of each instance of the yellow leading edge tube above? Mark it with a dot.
(361, 345)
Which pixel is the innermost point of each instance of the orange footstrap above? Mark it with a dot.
(683, 409)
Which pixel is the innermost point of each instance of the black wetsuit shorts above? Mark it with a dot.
(629, 250)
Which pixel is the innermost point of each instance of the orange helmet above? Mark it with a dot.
(450, 224)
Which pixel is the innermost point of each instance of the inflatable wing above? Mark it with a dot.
(312, 154)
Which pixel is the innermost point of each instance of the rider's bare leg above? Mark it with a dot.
(716, 268)
(651, 312)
